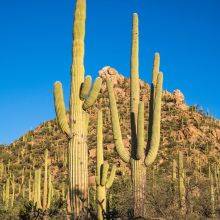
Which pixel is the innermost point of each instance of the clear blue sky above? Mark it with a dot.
(35, 51)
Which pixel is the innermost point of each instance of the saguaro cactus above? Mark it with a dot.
(212, 194)
(138, 158)
(82, 97)
(50, 190)
(1, 169)
(181, 181)
(13, 190)
(37, 188)
(102, 180)
(45, 179)
(7, 193)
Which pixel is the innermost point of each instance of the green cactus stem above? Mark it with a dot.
(103, 182)
(1, 170)
(7, 193)
(29, 190)
(50, 190)
(45, 192)
(82, 97)
(212, 193)
(37, 188)
(181, 180)
(13, 190)
(142, 154)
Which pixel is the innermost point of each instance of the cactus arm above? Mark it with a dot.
(181, 179)
(93, 94)
(97, 180)
(86, 86)
(86, 124)
(111, 177)
(123, 153)
(135, 90)
(140, 131)
(45, 192)
(156, 68)
(99, 157)
(104, 173)
(60, 108)
(155, 137)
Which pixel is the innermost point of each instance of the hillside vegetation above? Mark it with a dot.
(184, 128)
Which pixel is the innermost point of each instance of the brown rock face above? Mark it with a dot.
(109, 72)
(179, 99)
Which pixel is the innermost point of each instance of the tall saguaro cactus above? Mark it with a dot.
(82, 97)
(102, 180)
(139, 157)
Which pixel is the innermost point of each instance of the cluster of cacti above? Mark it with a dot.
(214, 180)
(82, 97)
(35, 192)
(74, 124)
(142, 154)
(103, 182)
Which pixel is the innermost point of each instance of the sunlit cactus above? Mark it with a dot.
(37, 188)
(30, 193)
(6, 193)
(45, 192)
(142, 154)
(50, 190)
(212, 194)
(13, 190)
(82, 97)
(1, 170)
(103, 182)
(181, 183)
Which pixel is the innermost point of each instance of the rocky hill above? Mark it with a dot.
(184, 128)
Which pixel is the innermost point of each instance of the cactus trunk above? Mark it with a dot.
(139, 187)
(45, 179)
(102, 180)
(181, 179)
(82, 97)
(212, 195)
(140, 157)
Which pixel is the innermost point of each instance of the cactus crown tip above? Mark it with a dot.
(57, 83)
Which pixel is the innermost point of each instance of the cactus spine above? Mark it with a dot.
(181, 178)
(102, 180)
(81, 98)
(138, 159)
